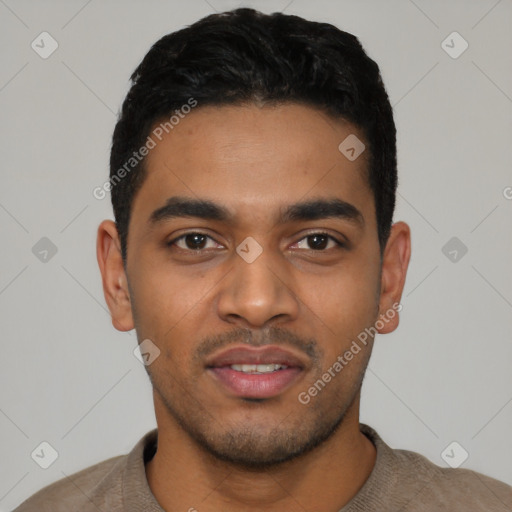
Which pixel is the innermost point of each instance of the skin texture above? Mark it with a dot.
(217, 451)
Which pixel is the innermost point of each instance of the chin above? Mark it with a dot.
(263, 448)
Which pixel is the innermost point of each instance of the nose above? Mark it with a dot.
(258, 293)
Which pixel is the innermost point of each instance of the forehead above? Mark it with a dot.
(254, 159)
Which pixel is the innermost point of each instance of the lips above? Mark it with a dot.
(255, 372)
(255, 355)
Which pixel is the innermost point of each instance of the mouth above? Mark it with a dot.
(256, 372)
(258, 369)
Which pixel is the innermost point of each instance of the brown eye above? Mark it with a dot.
(191, 241)
(318, 242)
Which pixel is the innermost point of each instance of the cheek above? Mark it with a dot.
(348, 300)
(167, 297)
(169, 307)
(348, 306)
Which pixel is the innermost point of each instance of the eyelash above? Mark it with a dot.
(339, 244)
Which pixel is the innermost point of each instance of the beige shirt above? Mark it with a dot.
(400, 481)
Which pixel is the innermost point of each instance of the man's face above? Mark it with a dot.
(199, 297)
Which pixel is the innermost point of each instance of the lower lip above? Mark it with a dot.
(263, 385)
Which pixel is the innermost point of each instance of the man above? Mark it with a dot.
(253, 178)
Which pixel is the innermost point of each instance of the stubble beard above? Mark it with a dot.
(257, 446)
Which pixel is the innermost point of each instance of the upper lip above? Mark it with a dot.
(255, 355)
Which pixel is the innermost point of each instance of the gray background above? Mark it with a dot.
(70, 379)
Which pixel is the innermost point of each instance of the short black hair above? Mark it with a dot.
(243, 56)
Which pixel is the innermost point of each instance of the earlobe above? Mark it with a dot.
(115, 286)
(395, 262)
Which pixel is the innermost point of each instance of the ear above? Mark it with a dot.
(395, 261)
(115, 284)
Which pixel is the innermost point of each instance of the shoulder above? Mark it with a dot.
(413, 483)
(107, 485)
(77, 491)
(452, 489)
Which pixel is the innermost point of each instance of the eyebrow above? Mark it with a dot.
(178, 207)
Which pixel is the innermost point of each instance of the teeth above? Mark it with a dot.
(257, 368)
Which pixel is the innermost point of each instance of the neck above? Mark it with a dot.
(183, 478)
